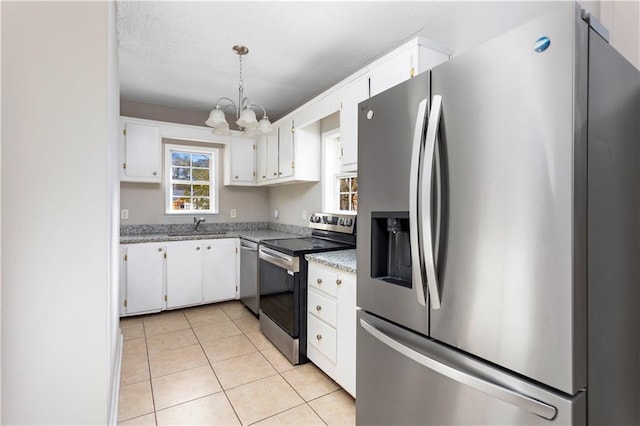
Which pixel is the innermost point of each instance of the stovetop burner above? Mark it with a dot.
(296, 246)
(329, 232)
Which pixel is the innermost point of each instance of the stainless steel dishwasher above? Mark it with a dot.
(249, 275)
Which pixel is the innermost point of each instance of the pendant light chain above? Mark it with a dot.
(240, 90)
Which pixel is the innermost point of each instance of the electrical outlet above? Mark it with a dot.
(124, 214)
(304, 214)
(233, 213)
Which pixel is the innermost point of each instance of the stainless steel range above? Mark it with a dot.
(283, 280)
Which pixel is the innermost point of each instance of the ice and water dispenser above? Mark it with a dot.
(390, 248)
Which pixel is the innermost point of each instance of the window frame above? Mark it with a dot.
(337, 193)
(213, 178)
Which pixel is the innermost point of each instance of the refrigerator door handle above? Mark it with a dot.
(414, 194)
(427, 176)
(509, 396)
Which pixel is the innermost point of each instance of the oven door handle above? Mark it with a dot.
(289, 263)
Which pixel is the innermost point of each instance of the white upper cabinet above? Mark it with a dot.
(292, 153)
(271, 155)
(240, 161)
(350, 95)
(408, 60)
(286, 149)
(142, 146)
(261, 158)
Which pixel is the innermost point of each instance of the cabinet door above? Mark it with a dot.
(350, 96)
(220, 267)
(285, 150)
(261, 158)
(272, 155)
(142, 153)
(394, 71)
(347, 326)
(144, 265)
(242, 160)
(184, 273)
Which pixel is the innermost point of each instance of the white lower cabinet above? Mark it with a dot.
(184, 273)
(331, 323)
(142, 275)
(220, 269)
(173, 274)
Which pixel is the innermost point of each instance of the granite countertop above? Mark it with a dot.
(251, 235)
(265, 234)
(154, 238)
(344, 260)
(252, 232)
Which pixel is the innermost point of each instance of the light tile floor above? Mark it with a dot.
(211, 365)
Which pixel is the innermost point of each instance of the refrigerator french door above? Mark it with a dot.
(498, 247)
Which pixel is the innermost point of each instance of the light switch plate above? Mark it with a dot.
(233, 213)
(124, 214)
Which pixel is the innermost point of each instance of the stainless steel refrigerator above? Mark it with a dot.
(499, 236)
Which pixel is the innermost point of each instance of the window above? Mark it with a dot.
(340, 190)
(191, 179)
(347, 185)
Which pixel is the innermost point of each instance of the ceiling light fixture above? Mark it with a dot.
(245, 114)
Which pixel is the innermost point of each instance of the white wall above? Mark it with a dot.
(291, 200)
(622, 19)
(114, 337)
(57, 212)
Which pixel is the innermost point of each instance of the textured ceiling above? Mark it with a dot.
(178, 54)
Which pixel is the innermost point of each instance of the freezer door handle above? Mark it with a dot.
(426, 210)
(509, 396)
(417, 264)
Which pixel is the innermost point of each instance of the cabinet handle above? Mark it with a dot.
(319, 336)
(275, 174)
(159, 248)
(264, 177)
(319, 280)
(208, 247)
(236, 177)
(318, 308)
(197, 248)
(338, 281)
(155, 173)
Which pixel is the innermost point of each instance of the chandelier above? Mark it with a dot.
(245, 114)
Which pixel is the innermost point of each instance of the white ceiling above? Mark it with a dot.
(178, 54)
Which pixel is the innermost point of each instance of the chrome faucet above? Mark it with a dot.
(197, 222)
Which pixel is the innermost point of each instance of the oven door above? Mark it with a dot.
(280, 289)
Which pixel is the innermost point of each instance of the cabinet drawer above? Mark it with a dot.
(321, 336)
(323, 280)
(323, 307)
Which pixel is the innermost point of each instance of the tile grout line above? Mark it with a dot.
(213, 369)
(254, 345)
(146, 348)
